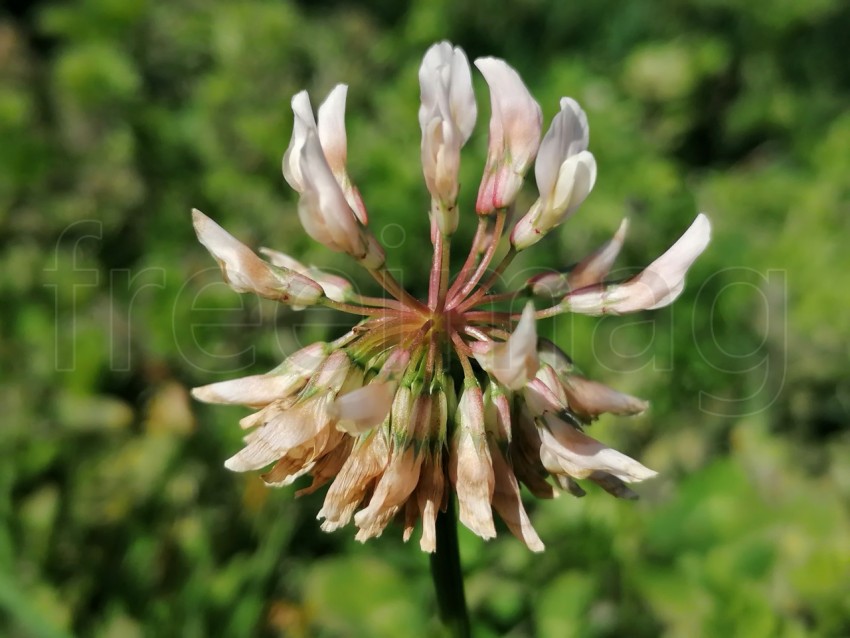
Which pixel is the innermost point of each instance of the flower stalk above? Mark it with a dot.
(447, 575)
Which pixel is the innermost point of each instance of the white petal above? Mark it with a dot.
(515, 126)
(332, 128)
(365, 408)
(516, 120)
(567, 136)
(303, 122)
(513, 362)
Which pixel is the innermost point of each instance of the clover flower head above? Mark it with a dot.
(452, 392)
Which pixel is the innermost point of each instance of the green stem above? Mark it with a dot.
(447, 575)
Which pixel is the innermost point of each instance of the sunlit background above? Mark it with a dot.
(117, 518)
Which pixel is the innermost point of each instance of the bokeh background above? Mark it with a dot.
(117, 518)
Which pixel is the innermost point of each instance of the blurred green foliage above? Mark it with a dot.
(117, 116)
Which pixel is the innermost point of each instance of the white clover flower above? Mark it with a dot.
(376, 413)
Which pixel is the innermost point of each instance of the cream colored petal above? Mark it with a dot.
(256, 390)
(429, 496)
(303, 122)
(567, 136)
(365, 408)
(470, 466)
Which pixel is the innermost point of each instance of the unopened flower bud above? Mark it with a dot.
(446, 116)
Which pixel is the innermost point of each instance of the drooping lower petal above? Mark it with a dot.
(470, 465)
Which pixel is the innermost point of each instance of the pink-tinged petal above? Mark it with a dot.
(657, 286)
(470, 465)
(588, 399)
(334, 143)
(245, 272)
(497, 413)
(513, 362)
(325, 213)
(596, 266)
(515, 125)
(566, 450)
(544, 394)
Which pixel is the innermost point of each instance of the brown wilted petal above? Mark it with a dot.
(588, 399)
(328, 466)
(357, 476)
(507, 501)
